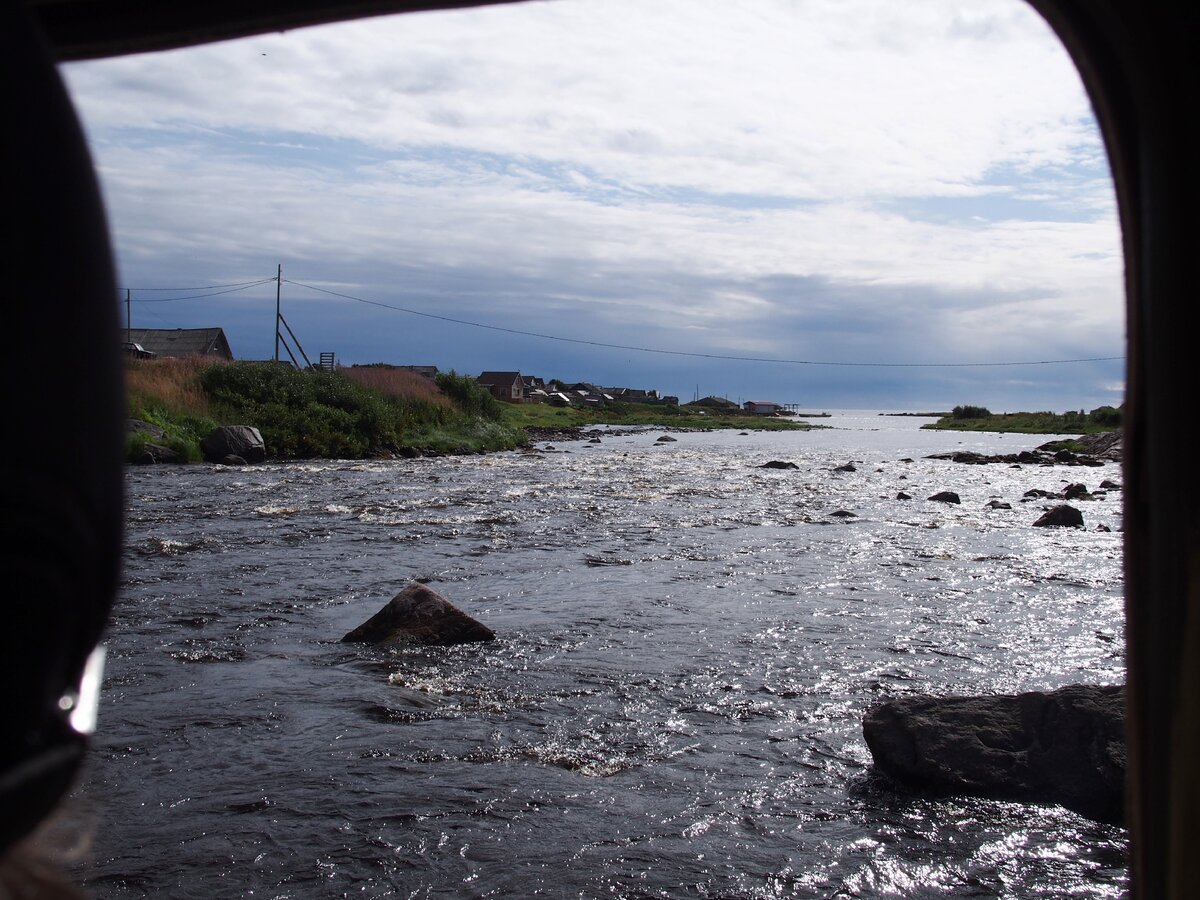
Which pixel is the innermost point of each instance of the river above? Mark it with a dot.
(686, 646)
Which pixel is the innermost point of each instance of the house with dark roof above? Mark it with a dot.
(180, 342)
(761, 407)
(506, 386)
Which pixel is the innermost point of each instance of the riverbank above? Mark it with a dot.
(1101, 420)
(364, 413)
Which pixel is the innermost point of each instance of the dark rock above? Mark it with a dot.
(946, 497)
(1103, 528)
(236, 440)
(1077, 491)
(778, 464)
(848, 467)
(1065, 746)
(420, 615)
(906, 459)
(1062, 516)
(900, 495)
(594, 440)
(666, 439)
(233, 460)
(1038, 492)
(156, 453)
(843, 514)
(1110, 485)
(137, 426)
(998, 504)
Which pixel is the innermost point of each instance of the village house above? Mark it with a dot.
(506, 386)
(761, 407)
(178, 342)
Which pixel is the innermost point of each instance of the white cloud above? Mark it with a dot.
(686, 152)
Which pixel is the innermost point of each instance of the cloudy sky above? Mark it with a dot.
(836, 203)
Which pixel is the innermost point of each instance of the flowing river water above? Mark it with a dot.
(686, 647)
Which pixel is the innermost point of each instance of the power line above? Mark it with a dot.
(718, 356)
(211, 291)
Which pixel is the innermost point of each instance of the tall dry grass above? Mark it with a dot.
(399, 384)
(172, 384)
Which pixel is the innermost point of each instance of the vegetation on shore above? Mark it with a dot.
(349, 414)
(364, 412)
(979, 418)
(543, 415)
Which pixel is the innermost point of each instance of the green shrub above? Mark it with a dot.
(472, 397)
(970, 412)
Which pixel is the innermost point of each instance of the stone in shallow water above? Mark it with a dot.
(1060, 517)
(420, 615)
(1065, 746)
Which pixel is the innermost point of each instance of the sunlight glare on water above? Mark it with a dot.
(686, 647)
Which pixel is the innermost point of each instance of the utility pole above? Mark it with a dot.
(278, 285)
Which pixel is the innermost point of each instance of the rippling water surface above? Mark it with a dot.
(686, 647)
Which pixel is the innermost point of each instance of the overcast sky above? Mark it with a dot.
(830, 185)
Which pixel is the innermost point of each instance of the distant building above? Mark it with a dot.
(506, 386)
(761, 407)
(180, 342)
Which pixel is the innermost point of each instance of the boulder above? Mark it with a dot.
(946, 497)
(234, 440)
(1061, 516)
(1077, 491)
(778, 464)
(998, 504)
(157, 453)
(665, 439)
(900, 495)
(1065, 746)
(848, 467)
(152, 432)
(420, 615)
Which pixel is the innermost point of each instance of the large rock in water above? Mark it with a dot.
(1065, 746)
(234, 440)
(1062, 516)
(420, 615)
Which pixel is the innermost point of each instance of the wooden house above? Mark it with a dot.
(180, 342)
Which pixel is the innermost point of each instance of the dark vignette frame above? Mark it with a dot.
(1140, 62)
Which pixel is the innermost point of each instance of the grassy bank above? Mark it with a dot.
(543, 415)
(978, 418)
(349, 414)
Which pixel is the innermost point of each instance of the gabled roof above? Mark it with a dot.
(499, 377)
(177, 342)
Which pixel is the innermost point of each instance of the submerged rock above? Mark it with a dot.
(420, 615)
(666, 439)
(946, 497)
(1062, 516)
(1065, 746)
(778, 464)
(848, 467)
